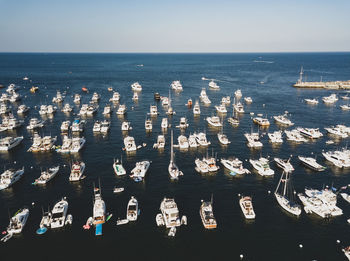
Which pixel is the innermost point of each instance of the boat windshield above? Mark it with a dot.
(57, 215)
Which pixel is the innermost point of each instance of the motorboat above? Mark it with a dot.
(22, 109)
(11, 88)
(129, 143)
(132, 209)
(136, 87)
(275, 137)
(9, 177)
(176, 85)
(207, 215)
(17, 223)
(283, 120)
(204, 97)
(58, 98)
(295, 136)
(201, 166)
(214, 121)
(223, 139)
(35, 123)
(238, 107)
(173, 169)
(118, 190)
(311, 101)
(253, 139)
(77, 171)
(107, 110)
(157, 96)
(48, 143)
(105, 126)
(59, 214)
(115, 97)
(15, 97)
(315, 205)
(246, 204)
(4, 97)
(170, 213)
(77, 125)
(310, 133)
(135, 96)
(221, 108)
(9, 143)
(189, 103)
(345, 196)
(330, 99)
(77, 144)
(91, 109)
(77, 98)
(165, 101)
(140, 169)
(235, 166)
(83, 110)
(148, 125)
(346, 251)
(192, 141)
(183, 142)
(345, 107)
(95, 97)
(196, 109)
(4, 109)
(67, 108)
(65, 126)
(37, 143)
(264, 122)
(99, 209)
(121, 109)
(337, 132)
(248, 100)
(262, 166)
(51, 109)
(283, 198)
(284, 164)
(10, 123)
(183, 123)
(47, 175)
(160, 144)
(153, 111)
(126, 126)
(33, 89)
(213, 85)
(238, 94)
(338, 158)
(164, 123)
(311, 163)
(226, 100)
(66, 144)
(118, 167)
(211, 162)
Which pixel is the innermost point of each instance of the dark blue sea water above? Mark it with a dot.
(274, 235)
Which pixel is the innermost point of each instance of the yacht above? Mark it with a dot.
(164, 123)
(214, 121)
(264, 122)
(311, 163)
(107, 110)
(8, 143)
(275, 137)
(189, 103)
(47, 175)
(326, 200)
(211, 162)
(338, 132)
(310, 133)
(66, 144)
(165, 101)
(83, 110)
(223, 139)
(126, 126)
(67, 108)
(345, 107)
(77, 125)
(58, 98)
(213, 85)
(22, 109)
(201, 166)
(183, 142)
(176, 85)
(173, 169)
(77, 171)
(105, 125)
(11, 88)
(77, 144)
(315, 205)
(284, 164)
(294, 135)
(330, 99)
(95, 97)
(118, 167)
(65, 126)
(226, 100)
(283, 120)
(35, 123)
(233, 120)
(17, 223)
(192, 141)
(338, 158)
(59, 214)
(129, 143)
(135, 96)
(76, 98)
(10, 123)
(207, 215)
(4, 97)
(170, 213)
(5, 110)
(204, 97)
(282, 197)
(115, 97)
(15, 97)
(201, 139)
(132, 209)
(235, 166)
(238, 94)
(48, 143)
(183, 123)
(262, 166)
(253, 139)
(91, 109)
(311, 101)
(248, 100)
(221, 108)
(136, 87)
(148, 125)
(246, 204)
(160, 142)
(9, 177)
(153, 111)
(51, 109)
(99, 209)
(238, 107)
(121, 109)
(37, 143)
(196, 109)
(345, 196)
(140, 169)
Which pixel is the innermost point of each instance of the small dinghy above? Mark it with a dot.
(118, 190)
(160, 220)
(172, 232)
(122, 222)
(41, 230)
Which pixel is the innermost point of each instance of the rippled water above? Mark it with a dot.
(274, 235)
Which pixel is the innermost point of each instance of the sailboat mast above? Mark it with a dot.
(279, 183)
(172, 150)
(285, 184)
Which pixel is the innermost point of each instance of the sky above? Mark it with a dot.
(174, 26)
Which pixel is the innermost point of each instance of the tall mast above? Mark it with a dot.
(301, 75)
(172, 150)
(285, 184)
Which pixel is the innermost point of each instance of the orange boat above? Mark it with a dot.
(84, 89)
(189, 102)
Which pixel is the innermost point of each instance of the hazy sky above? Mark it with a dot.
(174, 26)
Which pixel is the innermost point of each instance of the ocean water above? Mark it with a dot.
(273, 235)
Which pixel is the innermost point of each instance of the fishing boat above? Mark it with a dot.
(66, 144)
(22, 109)
(211, 162)
(183, 123)
(284, 164)
(204, 97)
(295, 136)
(58, 98)
(135, 96)
(262, 166)
(284, 197)
(129, 143)
(164, 123)
(221, 108)
(201, 139)
(165, 101)
(126, 126)
(136, 87)
(77, 144)
(315, 205)
(176, 85)
(214, 121)
(91, 109)
(183, 142)
(77, 98)
(275, 137)
(132, 209)
(153, 111)
(226, 100)
(246, 204)
(207, 215)
(283, 120)
(105, 126)
(170, 213)
(83, 110)
(17, 223)
(47, 175)
(160, 142)
(213, 85)
(65, 126)
(173, 169)
(95, 97)
(9, 143)
(140, 170)
(77, 125)
(311, 163)
(121, 109)
(192, 141)
(235, 166)
(248, 100)
(51, 109)
(99, 209)
(107, 110)
(238, 107)
(196, 109)
(77, 171)
(115, 97)
(35, 123)
(264, 122)
(311, 101)
(59, 214)
(148, 125)
(201, 166)
(67, 108)
(15, 97)
(238, 94)
(4, 109)
(223, 138)
(9, 177)
(253, 139)
(118, 167)
(189, 103)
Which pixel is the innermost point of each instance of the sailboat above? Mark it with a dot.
(170, 109)
(233, 119)
(282, 197)
(173, 169)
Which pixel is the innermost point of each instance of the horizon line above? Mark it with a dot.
(102, 52)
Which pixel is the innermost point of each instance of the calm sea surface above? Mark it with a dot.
(273, 235)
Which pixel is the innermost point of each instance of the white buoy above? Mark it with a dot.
(239, 194)
(64, 165)
(31, 167)
(14, 162)
(269, 191)
(241, 256)
(33, 203)
(338, 241)
(301, 246)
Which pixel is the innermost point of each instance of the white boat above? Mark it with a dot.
(235, 166)
(9, 177)
(22, 109)
(107, 110)
(59, 214)
(346, 251)
(201, 166)
(310, 132)
(160, 142)
(118, 167)
(183, 142)
(284, 164)
(121, 109)
(15, 97)
(223, 139)
(337, 132)
(35, 123)
(204, 97)
(311, 101)
(153, 111)
(196, 109)
(214, 121)
(76, 98)
(47, 175)
(315, 205)
(338, 158)
(173, 169)
(283, 120)
(91, 109)
(311, 163)
(176, 85)
(165, 101)
(135, 96)
(140, 169)
(253, 139)
(148, 125)
(226, 100)
(17, 223)
(126, 126)
(207, 215)
(345, 107)
(9, 143)
(345, 196)
(164, 123)
(248, 100)
(262, 166)
(238, 107)
(132, 209)
(58, 98)
(213, 85)
(275, 137)
(99, 209)
(65, 126)
(283, 197)
(211, 162)
(77, 171)
(221, 108)
(238, 94)
(118, 190)
(295, 136)
(330, 99)
(77, 144)
(136, 87)
(170, 213)
(95, 97)
(77, 125)
(105, 126)
(48, 143)
(51, 109)
(67, 108)
(246, 204)
(97, 126)
(4, 109)
(129, 143)
(192, 141)
(115, 97)
(183, 123)
(83, 110)
(264, 122)
(66, 144)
